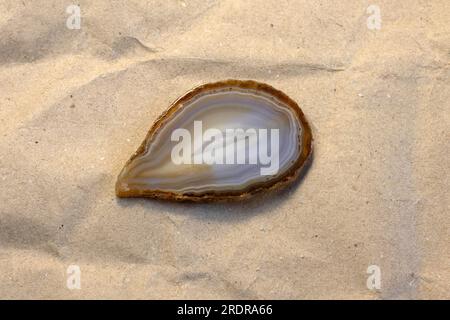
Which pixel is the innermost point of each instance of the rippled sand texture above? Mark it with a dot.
(75, 104)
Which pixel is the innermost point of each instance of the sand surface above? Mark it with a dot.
(75, 104)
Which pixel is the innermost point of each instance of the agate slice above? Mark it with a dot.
(226, 140)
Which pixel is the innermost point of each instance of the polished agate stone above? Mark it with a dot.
(227, 140)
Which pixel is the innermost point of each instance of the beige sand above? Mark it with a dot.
(75, 104)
